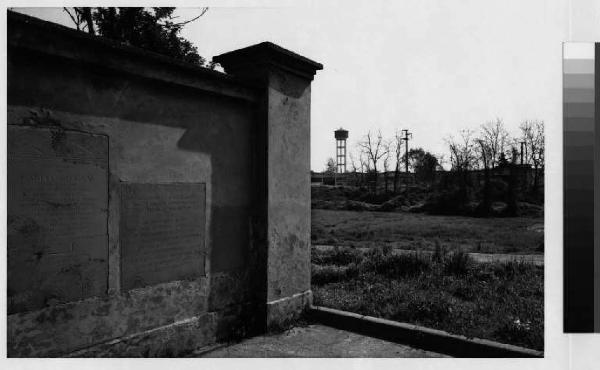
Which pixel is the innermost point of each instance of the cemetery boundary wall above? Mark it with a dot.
(154, 207)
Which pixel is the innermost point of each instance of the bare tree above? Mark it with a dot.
(386, 163)
(374, 149)
(532, 134)
(463, 158)
(462, 151)
(354, 167)
(495, 138)
(441, 161)
(485, 152)
(364, 166)
(76, 15)
(353, 164)
(364, 162)
(512, 184)
(82, 18)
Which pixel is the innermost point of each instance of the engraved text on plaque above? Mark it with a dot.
(57, 216)
(161, 233)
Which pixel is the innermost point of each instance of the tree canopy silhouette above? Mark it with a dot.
(423, 163)
(153, 29)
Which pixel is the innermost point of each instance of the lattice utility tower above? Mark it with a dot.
(341, 136)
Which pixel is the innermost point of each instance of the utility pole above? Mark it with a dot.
(407, 136)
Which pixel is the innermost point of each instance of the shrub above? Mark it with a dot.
(447, 202)
(522, 332)
(338, 256)
(465, 289)
(439, 252)
(322, 275)
(508, 270)
(428, 309)
(396, 266)
(457, 263)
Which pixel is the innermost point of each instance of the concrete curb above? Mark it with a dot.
(418, 336)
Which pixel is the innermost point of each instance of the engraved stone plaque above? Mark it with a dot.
(161, 233)
(57, 216)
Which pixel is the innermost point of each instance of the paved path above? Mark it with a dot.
(316, 341)
(536, 259)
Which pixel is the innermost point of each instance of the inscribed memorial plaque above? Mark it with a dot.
(161, 233)
(57, 216)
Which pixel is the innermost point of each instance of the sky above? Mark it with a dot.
(431, 66)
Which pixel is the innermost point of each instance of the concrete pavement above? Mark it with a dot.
(316, 341)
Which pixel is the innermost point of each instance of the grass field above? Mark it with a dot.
(518, 235)
(447, 291)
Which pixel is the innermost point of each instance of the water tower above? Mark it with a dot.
(340, 139)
